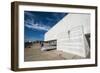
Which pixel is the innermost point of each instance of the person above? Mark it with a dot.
(69, 33)
(42, 44)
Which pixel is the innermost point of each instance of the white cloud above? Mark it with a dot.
(37, 26)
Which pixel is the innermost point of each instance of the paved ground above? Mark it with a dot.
(35, 54)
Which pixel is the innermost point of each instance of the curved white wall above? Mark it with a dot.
(78, 25)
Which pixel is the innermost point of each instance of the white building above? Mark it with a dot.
(69, 33)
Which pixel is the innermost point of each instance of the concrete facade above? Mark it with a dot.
(69, 33)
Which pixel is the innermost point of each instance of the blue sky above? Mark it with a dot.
(36, 24)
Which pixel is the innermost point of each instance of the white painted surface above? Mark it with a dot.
(78, 25)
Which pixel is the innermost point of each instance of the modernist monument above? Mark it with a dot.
(70, 34)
